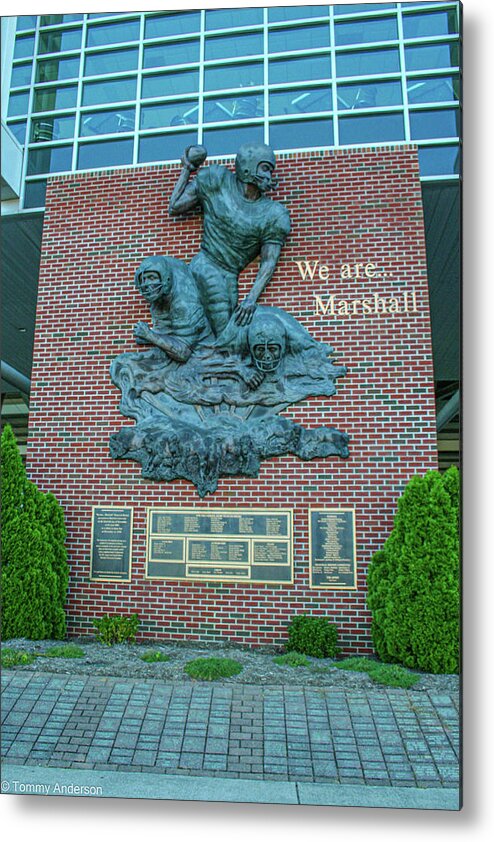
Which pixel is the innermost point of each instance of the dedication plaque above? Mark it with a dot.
(332, 555)
(239, 545)
(111, 542)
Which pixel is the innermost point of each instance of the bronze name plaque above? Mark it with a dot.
(111, 543)
(237, 545)
(332, 554)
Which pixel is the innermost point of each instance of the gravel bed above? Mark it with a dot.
(258, 666)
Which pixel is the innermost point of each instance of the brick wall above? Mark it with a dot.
(347, 207)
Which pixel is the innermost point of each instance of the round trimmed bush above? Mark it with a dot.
(314, 636)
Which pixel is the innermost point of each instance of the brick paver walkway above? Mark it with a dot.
(380, 736)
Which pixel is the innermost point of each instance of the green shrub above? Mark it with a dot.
(116, 628)
(413, 581)
(69, 650)
(16, 658)
(153, 657)
(34, 570)
(314, 636)
(390, 675)
(209, 669)
(292, 659)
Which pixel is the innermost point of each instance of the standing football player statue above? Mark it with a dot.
(207, 396)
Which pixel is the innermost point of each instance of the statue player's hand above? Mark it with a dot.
(142, 333)
(244, 312)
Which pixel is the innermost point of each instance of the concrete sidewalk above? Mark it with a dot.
(232, 741)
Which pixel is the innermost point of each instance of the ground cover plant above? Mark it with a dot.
(314, 636)
(16, 658)
(391, 675)
(67, 650)
(292, 659)
(413, 581)
(209, 669)
(153, 657)
(116, 628)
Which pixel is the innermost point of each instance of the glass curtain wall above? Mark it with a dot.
(95, 90)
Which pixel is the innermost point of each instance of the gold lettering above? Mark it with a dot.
(394, 305)
(306, 269)
(369, 270)
(323, 308)
(414, 299)
(346, 271)
(323, 272)
(343, 307)
(367, 305)
(377, 302)
(358, 266)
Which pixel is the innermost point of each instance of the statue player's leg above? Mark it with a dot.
(218, 290)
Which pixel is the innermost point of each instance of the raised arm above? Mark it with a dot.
(185, 195)
(270, 253)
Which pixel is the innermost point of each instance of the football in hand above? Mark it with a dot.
(196, 155)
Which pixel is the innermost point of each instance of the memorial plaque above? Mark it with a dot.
(332, 555)
(220, 545)
(111, 543)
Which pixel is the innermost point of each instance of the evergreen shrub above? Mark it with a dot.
(34, 569)
(314, 636)
(413, 581)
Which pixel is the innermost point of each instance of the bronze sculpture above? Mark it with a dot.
(207, 396)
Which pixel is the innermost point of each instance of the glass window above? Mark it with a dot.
(116, 90)
(21, 75)
(240, 107)
(18, 104)
(299, 38)
(35, 193)
(227, 141)
(103, 15)
(100, 35)
(107, 122)
(106, 153)
(170, 114)
(279, 13)
(49, 159)
(232, 18)
(165, 55)
(299, 69)
(431, 124)
(181, 24)
(19, 131)
(439, 160)
(435, 89)
(371, 129)
(168, 84)
(24, 46)
(113, 61)
(25, 22)
(300, 101)
(165, 147)
(301, 134)
(52, 20)
(52, 128)
(231, 46)
(367, 62)
(233, 76)
(60, 41)
(54, 99)
(369, 95)
(432, 56)
(366, 31)
(431, 23)
(351, 8)
(55, 69)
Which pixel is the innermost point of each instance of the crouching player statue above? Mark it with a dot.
(207, 395)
